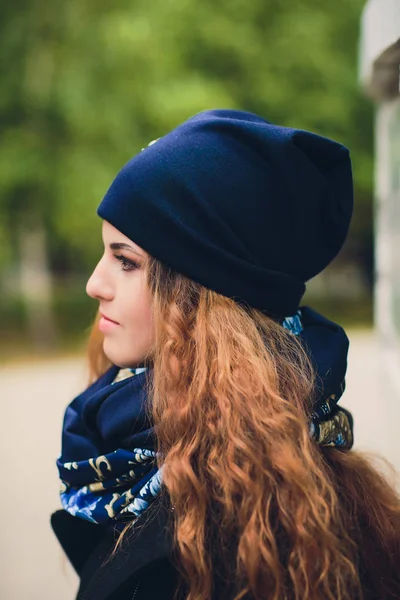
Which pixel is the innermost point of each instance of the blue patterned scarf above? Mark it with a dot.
(108, 466)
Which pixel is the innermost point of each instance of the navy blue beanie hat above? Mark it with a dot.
(246, 208)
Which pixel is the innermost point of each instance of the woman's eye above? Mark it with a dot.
(127, 265)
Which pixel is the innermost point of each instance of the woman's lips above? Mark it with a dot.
(106, 324)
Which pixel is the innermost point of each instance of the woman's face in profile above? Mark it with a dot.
(119, 283)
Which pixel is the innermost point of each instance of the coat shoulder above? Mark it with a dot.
(141, 567)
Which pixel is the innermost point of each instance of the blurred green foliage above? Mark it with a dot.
(86, 84)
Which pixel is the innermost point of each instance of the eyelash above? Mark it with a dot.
(127, 265)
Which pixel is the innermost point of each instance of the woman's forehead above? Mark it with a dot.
(112, 235)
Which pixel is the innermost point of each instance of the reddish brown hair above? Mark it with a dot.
(258, 506)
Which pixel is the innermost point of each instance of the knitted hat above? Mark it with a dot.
(246, 208)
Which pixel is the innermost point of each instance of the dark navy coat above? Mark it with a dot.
(140, 569)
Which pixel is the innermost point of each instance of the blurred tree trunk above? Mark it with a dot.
(36, 286)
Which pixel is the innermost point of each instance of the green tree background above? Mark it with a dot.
(86, 84)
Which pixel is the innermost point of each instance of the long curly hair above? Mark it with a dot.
(260, 511)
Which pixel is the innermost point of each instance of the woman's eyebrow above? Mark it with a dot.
(122, 246)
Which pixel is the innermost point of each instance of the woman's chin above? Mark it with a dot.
(121, 359)
(114, 354)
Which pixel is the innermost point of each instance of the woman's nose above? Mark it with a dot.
(99, 286)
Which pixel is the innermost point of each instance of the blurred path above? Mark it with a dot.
(33, 399)
(372, 398)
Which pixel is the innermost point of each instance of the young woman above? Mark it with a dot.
(209, 458)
